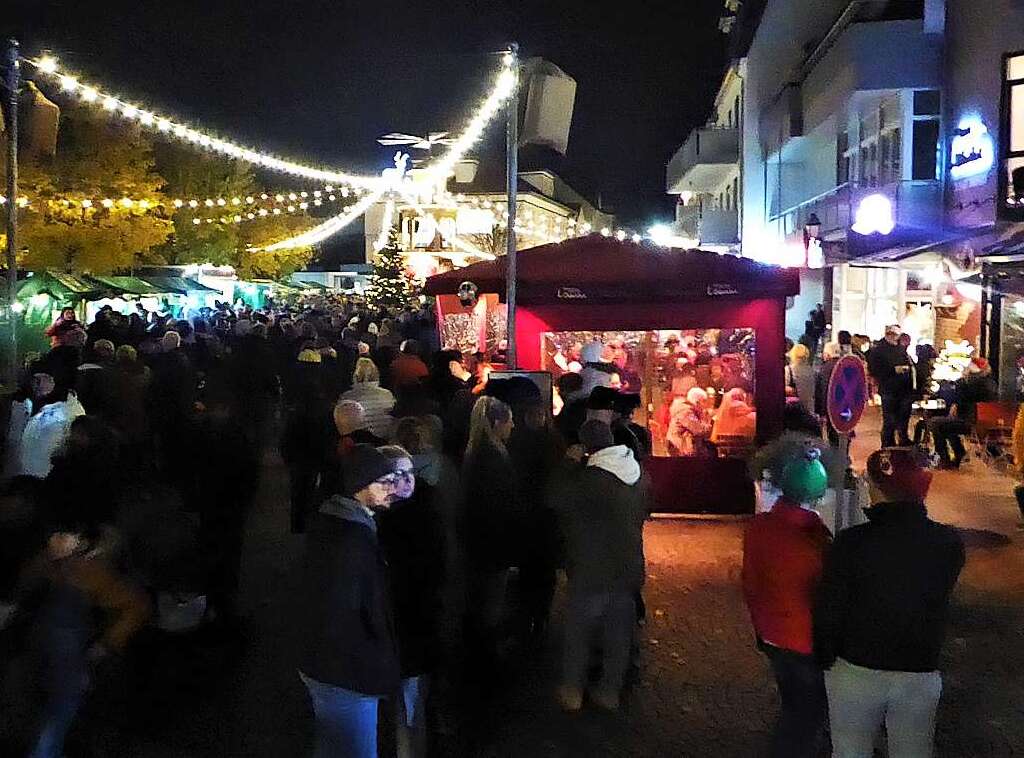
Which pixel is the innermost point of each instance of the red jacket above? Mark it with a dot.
(783, 555)
(407, 369)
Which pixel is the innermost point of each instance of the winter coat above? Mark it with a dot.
(601, 508)
(783, 553)
(490, 513)
(345, 610)
(407, 369)
(891, 367)
(885, 591)
(377, 403)
(971, 390)
(413, 536)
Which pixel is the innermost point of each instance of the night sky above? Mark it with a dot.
(322, 79)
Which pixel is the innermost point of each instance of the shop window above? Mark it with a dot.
(696, 386)
(1012, 138)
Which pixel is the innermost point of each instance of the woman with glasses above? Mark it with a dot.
(412, 536)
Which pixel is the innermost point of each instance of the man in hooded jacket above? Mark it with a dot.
(601, 506)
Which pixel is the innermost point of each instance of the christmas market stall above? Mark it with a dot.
(697, 335)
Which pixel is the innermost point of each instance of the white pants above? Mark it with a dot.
(860, 699)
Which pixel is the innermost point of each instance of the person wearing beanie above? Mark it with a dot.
(975, 386)
(783, 555)
(350, 660)
(881, 618)
(601, 505)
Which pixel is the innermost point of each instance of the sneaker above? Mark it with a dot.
(605, 699)
(570, 698)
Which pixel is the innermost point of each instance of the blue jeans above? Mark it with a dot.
(800, 729)
(56, 718)
(346, 721)
(610, 616)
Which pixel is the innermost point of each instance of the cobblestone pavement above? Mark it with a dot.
(703, 690)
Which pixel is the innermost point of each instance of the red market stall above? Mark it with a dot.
(667, 321)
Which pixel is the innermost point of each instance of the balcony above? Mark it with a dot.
(917, 210)
(712, 226)
(704, 161)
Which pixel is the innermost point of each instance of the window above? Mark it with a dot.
(1011, 178)
(843, 158)
(926, 137)
(663, 367)
(926, 155)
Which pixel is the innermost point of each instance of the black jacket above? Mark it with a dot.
(885, 591)
(345, 611)
(491, 518)
(970, 391)
(892, 369)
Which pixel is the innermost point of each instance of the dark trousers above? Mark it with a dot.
(801, 724)
(896, 419)
(946, 431)
(302, 480)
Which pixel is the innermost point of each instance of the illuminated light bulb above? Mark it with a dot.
(179, 131)
(143, 204)
(3, 200)
(197, 221)
(209, 220)
(250, 216)
(316, 193)
(87, 203)
(129, 111)
(126, 202)
(606, 232)
(178, 203)
(145, 118)
(17, 307)
(318, 201)
(264, 196)
(329, 188)
(303, 194)
(277, 211)
(292, 196)
(221, 201)
(47, 64)
(279, 198)
(263, 211)
(223, 219)
(89, 94)
(193, 203)
(107, 203)
(291, 209)
(163, 124)
(68, 83)
(303, 206)
(344, 191)
(332, 198)
(620, 235)
(237, 219)
(204, 140)
(22, 202)
(208, 203)
(250, 199)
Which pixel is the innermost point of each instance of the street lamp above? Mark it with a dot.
(812, 229)
(812, 242)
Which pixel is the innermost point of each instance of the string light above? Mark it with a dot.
(329, 227)
(502, 89)
(48, 65)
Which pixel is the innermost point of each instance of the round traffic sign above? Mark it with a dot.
(847, 393)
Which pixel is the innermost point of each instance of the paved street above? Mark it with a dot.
(703, 690)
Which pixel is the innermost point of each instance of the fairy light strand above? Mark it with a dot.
(329, 227)
(169, 127)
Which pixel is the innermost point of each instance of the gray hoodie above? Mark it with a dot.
(617, 460)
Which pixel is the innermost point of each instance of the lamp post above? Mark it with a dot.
(511, 182)
(12, 82)
(812, 241)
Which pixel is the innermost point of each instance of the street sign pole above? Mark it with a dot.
(511, 182)
(12, 83)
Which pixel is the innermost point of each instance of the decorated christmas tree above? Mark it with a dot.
(953, 359)
(391, 286)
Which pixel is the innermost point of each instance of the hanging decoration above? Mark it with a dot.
(89, 93)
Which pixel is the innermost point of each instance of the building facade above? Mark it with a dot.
(877, 145)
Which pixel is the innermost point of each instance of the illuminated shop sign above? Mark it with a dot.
(971, 151)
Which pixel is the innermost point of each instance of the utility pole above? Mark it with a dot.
(511, 183)
(13, 84)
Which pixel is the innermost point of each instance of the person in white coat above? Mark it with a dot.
(377, 402)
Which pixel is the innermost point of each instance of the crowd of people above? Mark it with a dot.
(436, 506)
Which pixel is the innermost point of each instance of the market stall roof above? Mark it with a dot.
(178, 284)
(307, 285)
(63, 287)
(126, 285)
(602, 269)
